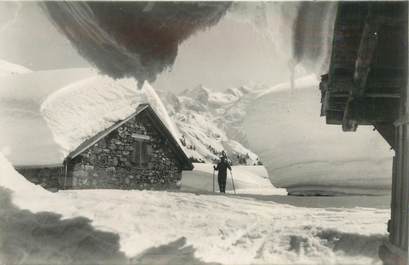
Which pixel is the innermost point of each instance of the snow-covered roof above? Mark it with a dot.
(83, 109)
(157, 122)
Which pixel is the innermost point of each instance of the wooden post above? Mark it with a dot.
(395, 251)
(403, 169)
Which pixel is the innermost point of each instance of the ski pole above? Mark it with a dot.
(213, 180)
(232, 181)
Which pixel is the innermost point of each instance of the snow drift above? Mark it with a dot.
(306, 156)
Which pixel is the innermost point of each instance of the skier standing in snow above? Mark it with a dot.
(222, 167)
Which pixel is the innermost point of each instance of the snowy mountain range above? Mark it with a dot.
(209, 122)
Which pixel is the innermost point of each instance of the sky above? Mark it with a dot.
(32, 41)
(229, 54)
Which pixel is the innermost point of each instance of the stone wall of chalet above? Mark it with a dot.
(49, 177)
(109, 162)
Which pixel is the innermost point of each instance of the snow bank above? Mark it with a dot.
(301, 152)
(222, 229)
(25, 194)
(10, 179)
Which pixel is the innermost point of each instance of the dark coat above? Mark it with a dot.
(222, 167)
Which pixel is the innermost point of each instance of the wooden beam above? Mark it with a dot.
(365, 110)
(366, 51)
(349, 123)
(370, 95)
(380, 85)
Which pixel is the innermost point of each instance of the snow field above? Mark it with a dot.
(233, 230)
(221, 228)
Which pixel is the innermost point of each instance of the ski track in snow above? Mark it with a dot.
(224, 229)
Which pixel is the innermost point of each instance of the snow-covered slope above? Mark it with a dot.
(112, 226)
(8, 69)
(207, 120)
(306, 156)
(25, 136)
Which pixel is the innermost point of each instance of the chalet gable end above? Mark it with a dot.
(138, 152)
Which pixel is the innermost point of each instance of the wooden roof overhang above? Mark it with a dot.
(368, 67)
(182, 158)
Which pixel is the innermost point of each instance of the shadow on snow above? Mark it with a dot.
(45, 238)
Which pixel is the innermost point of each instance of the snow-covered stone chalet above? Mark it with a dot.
(138, 152)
